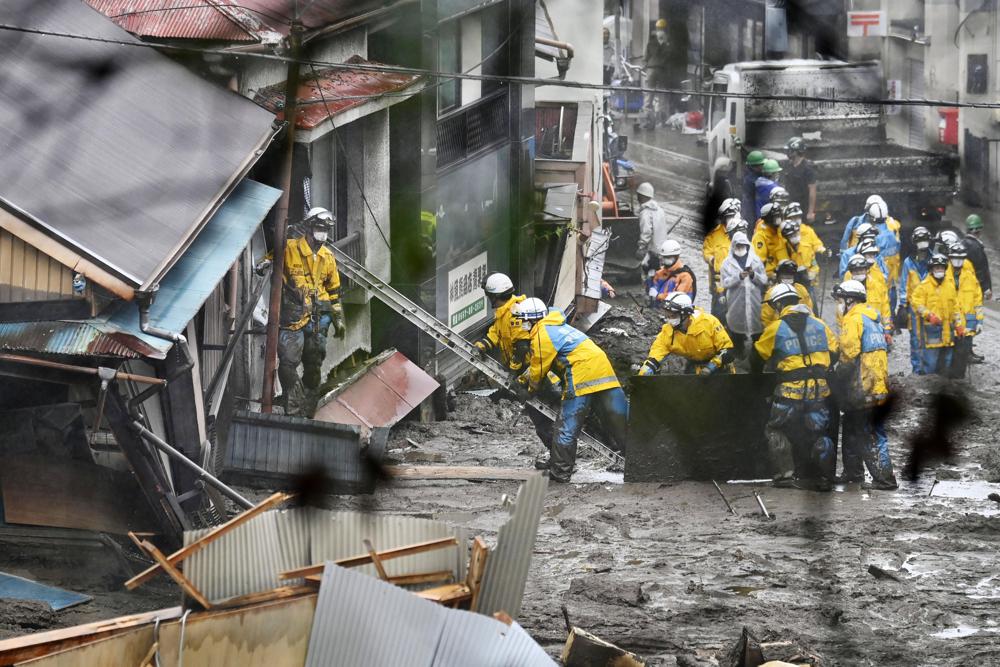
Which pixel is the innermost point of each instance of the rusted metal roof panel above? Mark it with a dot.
(333, 91)
(314, 13)
(182, 19)
(381, 395)
(72, 338)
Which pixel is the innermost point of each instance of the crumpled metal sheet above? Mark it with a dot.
(507, 566)
(361, 620)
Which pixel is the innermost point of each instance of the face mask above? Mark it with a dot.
(860, 277)
(870, 259)
(661, 36)
(795, 239)
(841, 307)
(320, 236)
(923, 245)
(741, 250)
(669, 261)
(787, 280)
(674, 321)
(957, 263)
(938, 274)
(525, 325)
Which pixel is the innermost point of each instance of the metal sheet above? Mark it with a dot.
(19, 588)
(118, 153)
(342, 89)
(276, 446)
(714, 428)
(383, 395)
(474, 639)
(182, 19)
(90, 338)
(507, 567)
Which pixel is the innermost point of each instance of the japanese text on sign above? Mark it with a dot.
(466, 300)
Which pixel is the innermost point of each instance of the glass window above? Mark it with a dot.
(449, 58)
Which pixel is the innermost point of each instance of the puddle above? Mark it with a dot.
(969, 490)
(913, 537)
(598, 477)
(956, 633)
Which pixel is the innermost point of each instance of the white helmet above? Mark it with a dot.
(878, 210)
(782, 292)
(497, 283)
(670, 248)
(865, 229)
(851, 289)
(645, 190)
(530, 310)
(735, 223)
(778, 195)
(872, 199)
(731, 206)
(319, 213)
(948, 237)
(679, 302)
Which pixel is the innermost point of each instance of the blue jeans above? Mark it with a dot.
(916, 357)
(935, 360)
(612, 410)
(865, 441)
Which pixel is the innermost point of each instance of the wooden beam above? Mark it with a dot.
(423, 578)
(376, 561)
(149, 655)
(216, 533)
(457, 472)
(280, 593)
(364, 559)
(176, 575)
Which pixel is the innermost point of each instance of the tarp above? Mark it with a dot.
(19, 588)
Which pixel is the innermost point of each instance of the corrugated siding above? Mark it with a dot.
(507, 566)
(179, 19)
(474, 639)
(216, 329)
(27, 274)
(75, 338)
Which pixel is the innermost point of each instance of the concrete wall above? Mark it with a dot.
(979, 36)
(579, 22)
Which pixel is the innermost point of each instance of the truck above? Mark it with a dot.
(846, 140)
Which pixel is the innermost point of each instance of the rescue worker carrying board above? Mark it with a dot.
(802, 349)
(586, 376)
(863, 386)
(500, 340)
(693, 335)
(310, 304)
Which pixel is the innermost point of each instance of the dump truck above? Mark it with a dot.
(846, 140)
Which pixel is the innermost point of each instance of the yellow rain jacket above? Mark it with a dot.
(769, 245)
(892, 262)
(715, 250)
(702, 343)
(862, 342)
(878, 295)
(801, 360)
(314, 275)
(504, 332)
(805, 254)
(970, 297)
(767, 312)
(940, 300)
(581, 366)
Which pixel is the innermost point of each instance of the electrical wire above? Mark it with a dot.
(523, 80)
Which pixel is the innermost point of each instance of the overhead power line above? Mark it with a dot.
(524, 80)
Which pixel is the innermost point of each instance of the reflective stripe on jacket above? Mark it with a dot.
(581, 366)
(862, 341)
(799, 346)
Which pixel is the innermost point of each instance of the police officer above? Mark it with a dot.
(913, 271)
(801, 348)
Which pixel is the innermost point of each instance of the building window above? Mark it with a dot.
(449, 60)
(977, 77)
(495, 45)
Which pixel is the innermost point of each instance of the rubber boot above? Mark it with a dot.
(562, 462)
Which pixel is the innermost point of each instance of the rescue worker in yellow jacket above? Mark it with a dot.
(803, 246)
(715, 249)
(970, 304)
(692, 334)
(865, 268)
(767, 240)
(939, 317)
(863, 386)
(501, 339)
(310, 305)
(585, 373)
(801, 348)
(786, 273)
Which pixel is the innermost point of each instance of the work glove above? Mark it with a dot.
(653, 293)
(988, 295)
(710, 368)
(337, 316)
(520, 392)
(932, 319)
(262, 266)
(480, 349)
(649, 367)
(960, 331)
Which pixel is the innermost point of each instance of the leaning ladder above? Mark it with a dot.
(465, 350)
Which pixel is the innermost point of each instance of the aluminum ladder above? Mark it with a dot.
(465, 350)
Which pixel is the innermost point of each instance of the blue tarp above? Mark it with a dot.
(19, 588)
(192, 279)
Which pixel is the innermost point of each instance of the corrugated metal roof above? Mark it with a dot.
(361, 620)
(182, 19)
(314, 13)
(90, 338)
(118, 153)
(279, 446)
(507, 567)
(384, 393)
(342, 89)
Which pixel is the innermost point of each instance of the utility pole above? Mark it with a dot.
(281, 223)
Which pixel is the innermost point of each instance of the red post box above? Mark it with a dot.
(948, 126)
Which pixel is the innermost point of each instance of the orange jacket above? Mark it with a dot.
(676, 278)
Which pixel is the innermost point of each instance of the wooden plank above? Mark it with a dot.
(447, 594)
(376, 561)
(194, 547)
(280, 593)
(457, 472)
(45, 491)
(477, 567)
(125, 648)
(26, 647)
(422, 578)
(176, 575)
(364, 559)
(148, 658)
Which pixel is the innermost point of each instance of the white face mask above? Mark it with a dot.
(788, 280)
(923, 245)
(938, 274)
(795, 239)
(870, 259)
(741, 250)
(661, 36)
(860, 277)
(841, 307)
(957, 263)
(320, 236)
(674, 321)
(668, 261)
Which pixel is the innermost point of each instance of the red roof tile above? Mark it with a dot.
(222, 20)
